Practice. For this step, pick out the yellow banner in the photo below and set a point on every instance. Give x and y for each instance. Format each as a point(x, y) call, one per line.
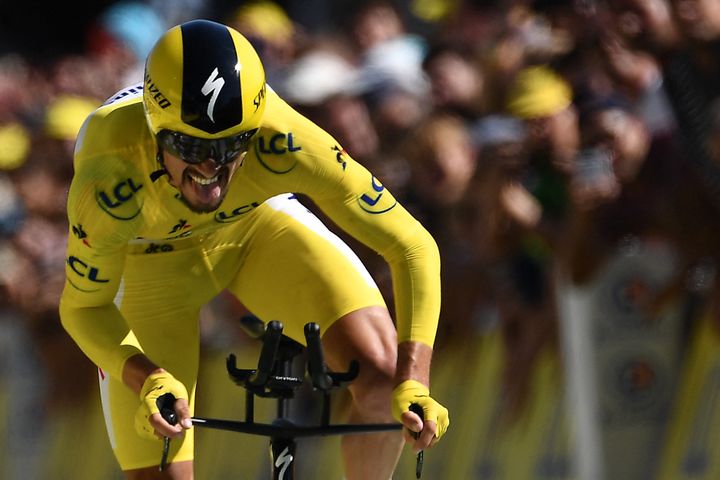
point(691, 449)
point(481, 444)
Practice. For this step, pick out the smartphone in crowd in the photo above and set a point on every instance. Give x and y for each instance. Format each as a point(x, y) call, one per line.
point(593, 166)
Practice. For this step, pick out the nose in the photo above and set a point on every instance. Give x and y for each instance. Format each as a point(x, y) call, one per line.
point(209, 166)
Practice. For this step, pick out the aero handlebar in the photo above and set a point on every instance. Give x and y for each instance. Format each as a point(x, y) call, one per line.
point(273, 378)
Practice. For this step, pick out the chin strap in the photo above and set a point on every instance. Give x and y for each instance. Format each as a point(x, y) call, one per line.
point(158, 173)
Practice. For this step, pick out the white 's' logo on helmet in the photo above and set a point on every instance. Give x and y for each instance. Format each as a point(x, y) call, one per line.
point(213, 85)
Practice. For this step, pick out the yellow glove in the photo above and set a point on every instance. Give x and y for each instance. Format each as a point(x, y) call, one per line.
point(412, 392)
point(156, 385)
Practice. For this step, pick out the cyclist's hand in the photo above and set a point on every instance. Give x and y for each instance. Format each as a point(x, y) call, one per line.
point(435, 419)
point(148, 421)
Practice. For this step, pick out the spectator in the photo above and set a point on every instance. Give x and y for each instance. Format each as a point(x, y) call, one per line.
point(327, 87)
point(390, 63)
point(121, 39)
point(41, 184)
point(458, 82)
point(22, 374)
point(659, 197)
point(442, 160)
point(638, 76)
point(482, 226)
point(698, 20)
point(543, 100)
point(15, 141)
point(685, 49)
point(273, 34)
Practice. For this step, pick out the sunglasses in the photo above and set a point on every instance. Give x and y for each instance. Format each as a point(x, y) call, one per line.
point(196, 150)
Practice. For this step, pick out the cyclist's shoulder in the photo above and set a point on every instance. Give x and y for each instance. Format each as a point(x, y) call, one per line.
point(281, 117)
point(286, 135)
point(115, 137)
point(118, 124)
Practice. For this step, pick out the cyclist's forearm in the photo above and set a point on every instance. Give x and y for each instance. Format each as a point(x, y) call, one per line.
point(414, 362)
point(415, 266)
point(136, 370)
point(102, 334)
point(407, 247)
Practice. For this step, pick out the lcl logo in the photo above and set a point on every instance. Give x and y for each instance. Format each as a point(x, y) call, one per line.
point(224, 217)
point(378, 201)
point(84, 270)
point(275, 144)
point(121, 193)
point(119, 196)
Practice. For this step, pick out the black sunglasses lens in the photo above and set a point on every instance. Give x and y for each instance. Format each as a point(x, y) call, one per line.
point(196, 150)
point(182, 146)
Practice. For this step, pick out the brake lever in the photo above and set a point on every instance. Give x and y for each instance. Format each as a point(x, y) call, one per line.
point(166, 405)
point(417, 409)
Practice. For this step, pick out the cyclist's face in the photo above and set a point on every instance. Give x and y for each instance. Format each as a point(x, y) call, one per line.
point(203, 186)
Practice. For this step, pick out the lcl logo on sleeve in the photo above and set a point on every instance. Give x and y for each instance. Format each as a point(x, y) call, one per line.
point(113, 201)
point(271, 152)
point(84, 270)
point(377, 201)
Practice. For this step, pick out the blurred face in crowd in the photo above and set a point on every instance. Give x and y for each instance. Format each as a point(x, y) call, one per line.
point(14, 77)
point(398, 112)
point(558, 134)
point(454, 81)
point(442, 160)
point(698, 19)
point(375, 24)
point(644, 23)
point(624, 135)
point(635, 69)
point(347, 118)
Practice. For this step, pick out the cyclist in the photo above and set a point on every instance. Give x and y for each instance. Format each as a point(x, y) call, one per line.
point(182, 189)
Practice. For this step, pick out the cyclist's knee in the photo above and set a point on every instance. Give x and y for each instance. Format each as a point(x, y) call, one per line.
point(368, 336)
point(372, 388)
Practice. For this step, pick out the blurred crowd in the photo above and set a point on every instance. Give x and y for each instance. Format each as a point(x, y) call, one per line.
point(533, 138)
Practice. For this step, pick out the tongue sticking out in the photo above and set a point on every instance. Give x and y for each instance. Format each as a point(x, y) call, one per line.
point(206, 190)
point(207, 193)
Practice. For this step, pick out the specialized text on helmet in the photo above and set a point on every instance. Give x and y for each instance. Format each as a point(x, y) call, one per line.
point(157, 95)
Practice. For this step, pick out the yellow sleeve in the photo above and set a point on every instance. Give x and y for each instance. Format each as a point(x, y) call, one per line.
point(87, 310)
point(364, 208)
point(104, 208)
point(306, 159)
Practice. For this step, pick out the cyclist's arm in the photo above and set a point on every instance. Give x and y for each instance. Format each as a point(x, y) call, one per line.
point(101, 333)
point(366, 210)
point(94, 267)
point(358, 203)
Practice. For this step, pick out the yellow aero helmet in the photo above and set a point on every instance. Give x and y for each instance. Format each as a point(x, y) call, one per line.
point(205, 80)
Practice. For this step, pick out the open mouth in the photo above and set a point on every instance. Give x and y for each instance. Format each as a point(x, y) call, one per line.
point(203, 191)
point(202, 180)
